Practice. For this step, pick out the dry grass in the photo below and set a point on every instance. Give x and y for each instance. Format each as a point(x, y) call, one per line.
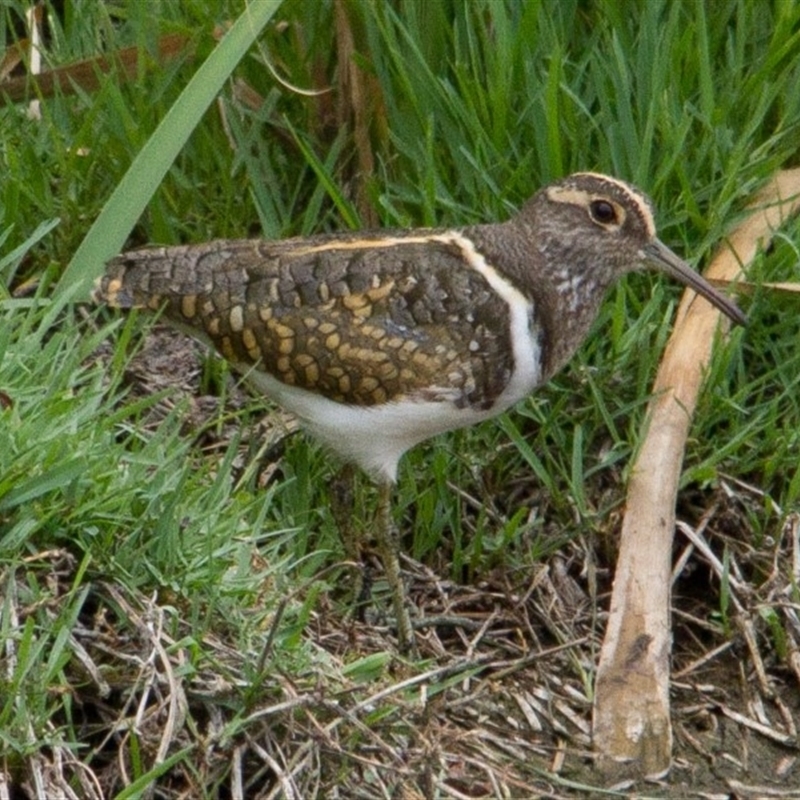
point(499, 707)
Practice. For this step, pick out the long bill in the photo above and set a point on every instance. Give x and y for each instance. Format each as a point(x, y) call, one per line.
point(665, 260)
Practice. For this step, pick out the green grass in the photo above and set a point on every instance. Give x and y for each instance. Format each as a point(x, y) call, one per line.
point(484, 102)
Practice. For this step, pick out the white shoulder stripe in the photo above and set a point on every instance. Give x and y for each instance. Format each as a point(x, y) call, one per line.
point(527, 371)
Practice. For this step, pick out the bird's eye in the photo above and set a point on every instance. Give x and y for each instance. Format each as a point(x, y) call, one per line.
point(603, 212)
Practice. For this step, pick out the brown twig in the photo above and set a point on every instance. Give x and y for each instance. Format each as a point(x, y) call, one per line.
point(631, 726)
point(85, 74)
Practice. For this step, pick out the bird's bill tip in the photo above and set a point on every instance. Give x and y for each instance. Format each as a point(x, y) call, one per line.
point(661, 257)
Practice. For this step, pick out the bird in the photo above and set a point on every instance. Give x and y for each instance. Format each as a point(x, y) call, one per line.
point(379, 340)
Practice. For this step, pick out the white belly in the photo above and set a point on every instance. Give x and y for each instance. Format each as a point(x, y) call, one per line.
point(375, 437)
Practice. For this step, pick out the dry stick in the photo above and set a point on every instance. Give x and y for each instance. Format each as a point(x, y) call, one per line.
point(85, 74)
point(631, 720)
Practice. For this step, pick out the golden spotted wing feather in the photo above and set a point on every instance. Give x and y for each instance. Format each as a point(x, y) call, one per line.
point(358, 320)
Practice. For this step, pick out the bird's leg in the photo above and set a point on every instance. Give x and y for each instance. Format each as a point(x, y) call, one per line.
point(387, 543)
point(342, 501)
point(342, 491)
point(342, 507)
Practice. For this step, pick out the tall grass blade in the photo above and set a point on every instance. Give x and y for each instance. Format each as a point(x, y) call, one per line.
point(109, 231)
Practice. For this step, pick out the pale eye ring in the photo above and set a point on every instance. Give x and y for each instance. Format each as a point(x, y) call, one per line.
point(603, 211)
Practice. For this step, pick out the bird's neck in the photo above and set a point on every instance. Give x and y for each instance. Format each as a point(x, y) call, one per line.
point(566, 288)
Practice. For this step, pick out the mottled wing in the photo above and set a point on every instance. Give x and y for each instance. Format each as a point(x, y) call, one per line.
point(358, 320)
